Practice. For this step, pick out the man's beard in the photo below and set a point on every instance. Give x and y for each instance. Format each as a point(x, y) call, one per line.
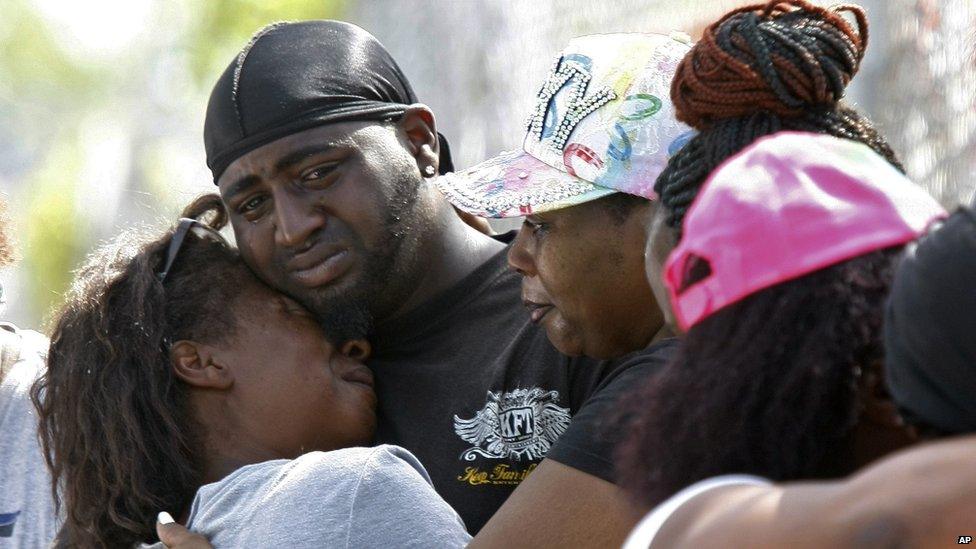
point(390, 272)
point(348, 315)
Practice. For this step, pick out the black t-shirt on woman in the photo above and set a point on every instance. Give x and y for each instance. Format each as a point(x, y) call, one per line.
point(480, 396)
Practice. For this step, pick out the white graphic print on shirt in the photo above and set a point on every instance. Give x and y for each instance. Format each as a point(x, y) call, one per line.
point(522, 424)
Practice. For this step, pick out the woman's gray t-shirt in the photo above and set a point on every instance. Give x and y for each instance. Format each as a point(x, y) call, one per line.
point(355, 497)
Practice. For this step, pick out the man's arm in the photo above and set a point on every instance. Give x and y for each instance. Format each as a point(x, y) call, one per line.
point(558, 506)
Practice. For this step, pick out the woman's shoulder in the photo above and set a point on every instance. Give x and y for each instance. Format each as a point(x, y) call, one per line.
point(335, 471)
point(365, 462)
point(355, 456)
point(361, 471)
point(309, 498)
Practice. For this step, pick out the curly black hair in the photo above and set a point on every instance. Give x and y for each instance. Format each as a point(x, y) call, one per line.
point(768, 385)
point(114, 422)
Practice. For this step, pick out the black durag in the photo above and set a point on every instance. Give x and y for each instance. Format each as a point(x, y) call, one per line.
point(930, 328)
point(295, 76)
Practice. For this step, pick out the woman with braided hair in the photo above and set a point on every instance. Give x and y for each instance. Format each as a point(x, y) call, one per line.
point(770, 380)
point(779, 283)
point(760, 69)
point(920, 497)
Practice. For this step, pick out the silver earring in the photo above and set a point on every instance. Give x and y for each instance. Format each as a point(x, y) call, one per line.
point(429, 171)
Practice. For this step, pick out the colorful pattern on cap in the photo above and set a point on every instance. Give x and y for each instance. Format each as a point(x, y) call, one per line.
point(513, 184)
point(603, 122)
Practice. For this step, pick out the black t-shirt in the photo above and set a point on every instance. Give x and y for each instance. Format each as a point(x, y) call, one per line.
point(480, 396)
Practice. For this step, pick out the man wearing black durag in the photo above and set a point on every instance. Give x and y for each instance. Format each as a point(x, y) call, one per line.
point(324, 158)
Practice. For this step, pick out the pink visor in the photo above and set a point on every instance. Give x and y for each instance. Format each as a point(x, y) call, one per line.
point(788, 205)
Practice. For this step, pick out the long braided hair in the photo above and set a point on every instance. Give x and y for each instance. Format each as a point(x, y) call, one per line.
point(770, 385)
point(783, 65)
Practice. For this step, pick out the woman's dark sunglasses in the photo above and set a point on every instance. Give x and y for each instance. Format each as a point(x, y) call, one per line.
point(186, 224)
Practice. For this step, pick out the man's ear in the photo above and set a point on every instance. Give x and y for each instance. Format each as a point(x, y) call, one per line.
point(417, 124)
point(196, 364)
point(358, 349)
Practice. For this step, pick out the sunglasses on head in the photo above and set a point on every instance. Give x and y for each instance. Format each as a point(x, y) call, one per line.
point(176, 242)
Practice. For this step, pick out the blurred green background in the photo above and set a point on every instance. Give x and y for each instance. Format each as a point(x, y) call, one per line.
point(102, 101)
point(101, 114)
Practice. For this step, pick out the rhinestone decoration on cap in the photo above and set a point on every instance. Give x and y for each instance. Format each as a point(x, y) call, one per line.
point(465, 197)
point(579, 105)
point(601, 123)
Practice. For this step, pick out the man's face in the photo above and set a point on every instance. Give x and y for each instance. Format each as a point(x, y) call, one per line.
point(583, 279)
point(330, 216)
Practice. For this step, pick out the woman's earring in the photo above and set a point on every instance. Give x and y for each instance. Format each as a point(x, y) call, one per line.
point(429, 171)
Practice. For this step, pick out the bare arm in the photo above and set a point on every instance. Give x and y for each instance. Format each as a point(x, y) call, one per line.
point(924, 497)
point(558, 506)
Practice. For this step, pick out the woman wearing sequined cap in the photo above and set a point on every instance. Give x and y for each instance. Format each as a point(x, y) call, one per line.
point(601, 131)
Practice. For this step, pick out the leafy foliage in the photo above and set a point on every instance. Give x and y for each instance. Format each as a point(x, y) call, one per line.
point(94, 140)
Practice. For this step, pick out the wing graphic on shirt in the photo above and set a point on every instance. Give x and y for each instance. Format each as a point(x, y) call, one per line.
point(520, 424)
point(553, 422)
point(481, 429)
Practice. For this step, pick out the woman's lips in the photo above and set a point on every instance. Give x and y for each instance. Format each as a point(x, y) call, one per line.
point(360, 375)
point(537, 310)
point(325, 271)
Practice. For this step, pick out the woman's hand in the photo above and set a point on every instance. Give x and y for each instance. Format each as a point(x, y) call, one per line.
point(175, 536)
point(479, 224)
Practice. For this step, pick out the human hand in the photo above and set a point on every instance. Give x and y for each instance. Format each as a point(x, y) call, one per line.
point(479, 224)
point(175, 536)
